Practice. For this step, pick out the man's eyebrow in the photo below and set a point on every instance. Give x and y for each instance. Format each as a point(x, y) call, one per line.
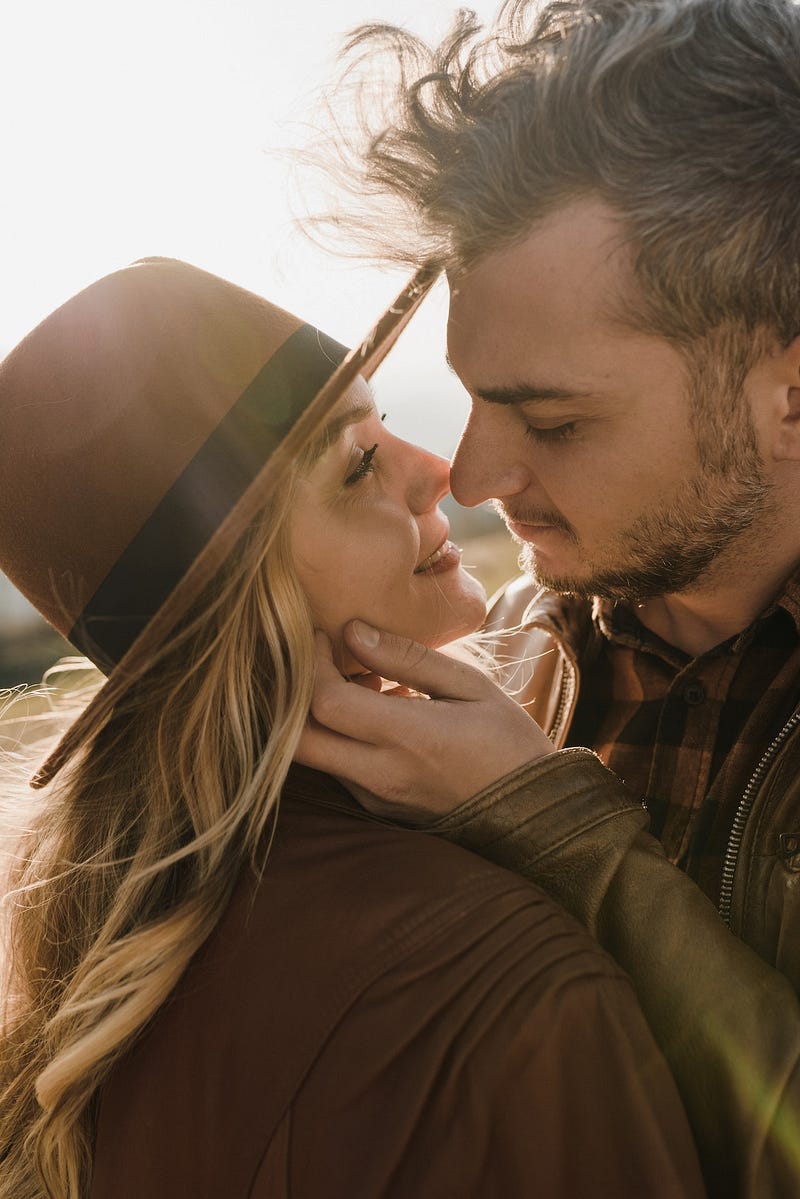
point(523, 393)
point(529, 393)
point(330, 433)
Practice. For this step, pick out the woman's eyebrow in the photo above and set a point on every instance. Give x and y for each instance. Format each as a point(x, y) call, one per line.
point(332, 431)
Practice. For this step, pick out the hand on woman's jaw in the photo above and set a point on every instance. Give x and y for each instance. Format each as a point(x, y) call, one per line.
point(411, 760)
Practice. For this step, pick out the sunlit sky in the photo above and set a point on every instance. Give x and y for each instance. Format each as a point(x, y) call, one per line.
point(152, 128)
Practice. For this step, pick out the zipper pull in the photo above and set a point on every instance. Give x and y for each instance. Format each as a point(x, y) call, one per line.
point(790, 850)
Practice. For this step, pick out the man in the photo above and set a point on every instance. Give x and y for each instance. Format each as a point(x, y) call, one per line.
point(612, 187)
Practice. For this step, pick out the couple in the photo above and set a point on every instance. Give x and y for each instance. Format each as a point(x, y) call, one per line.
point(230, 979)
point(232, 975)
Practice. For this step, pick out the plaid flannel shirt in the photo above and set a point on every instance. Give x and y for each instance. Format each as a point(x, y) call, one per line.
point(687, 733)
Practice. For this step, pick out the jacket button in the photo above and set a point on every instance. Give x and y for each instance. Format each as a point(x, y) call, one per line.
point(694, 694)
point(790, 849)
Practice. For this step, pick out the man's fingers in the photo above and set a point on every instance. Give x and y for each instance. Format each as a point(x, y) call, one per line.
point(424, 758)
point(356, 713)
point(412, 664)
point(321, 749)
point(371, 682)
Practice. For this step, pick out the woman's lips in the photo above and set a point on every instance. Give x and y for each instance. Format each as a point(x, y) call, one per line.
point(445, 557)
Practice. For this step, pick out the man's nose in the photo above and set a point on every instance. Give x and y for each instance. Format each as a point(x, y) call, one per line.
point(487, 463)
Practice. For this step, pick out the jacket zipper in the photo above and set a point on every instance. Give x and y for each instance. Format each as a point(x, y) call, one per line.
point(564, 701)
point(742, 814)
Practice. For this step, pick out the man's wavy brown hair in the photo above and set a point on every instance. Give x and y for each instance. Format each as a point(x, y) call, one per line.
point(682, 115)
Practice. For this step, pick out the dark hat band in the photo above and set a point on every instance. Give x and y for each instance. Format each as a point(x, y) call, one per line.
point(203, 495)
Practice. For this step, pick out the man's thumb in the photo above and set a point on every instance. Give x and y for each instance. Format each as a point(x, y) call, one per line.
point(414, 665)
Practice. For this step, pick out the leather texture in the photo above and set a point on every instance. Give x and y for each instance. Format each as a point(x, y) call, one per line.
point(386, 1016)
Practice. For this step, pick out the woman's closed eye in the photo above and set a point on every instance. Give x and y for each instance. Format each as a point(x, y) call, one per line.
point(363, 468)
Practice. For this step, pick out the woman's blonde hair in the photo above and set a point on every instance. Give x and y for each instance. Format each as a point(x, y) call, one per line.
point(131, 853)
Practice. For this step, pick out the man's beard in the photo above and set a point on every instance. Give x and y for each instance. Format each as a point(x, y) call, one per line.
point(669, 549)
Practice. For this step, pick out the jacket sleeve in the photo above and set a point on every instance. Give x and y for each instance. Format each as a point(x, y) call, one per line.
point(728, 1024)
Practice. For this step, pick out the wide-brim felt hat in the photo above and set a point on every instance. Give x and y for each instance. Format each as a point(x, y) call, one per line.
point(146, 422)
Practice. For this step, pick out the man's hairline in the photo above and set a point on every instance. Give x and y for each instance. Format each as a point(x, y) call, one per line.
point(630, 313)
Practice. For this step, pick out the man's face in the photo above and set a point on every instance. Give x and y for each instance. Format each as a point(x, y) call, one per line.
point(615, 471)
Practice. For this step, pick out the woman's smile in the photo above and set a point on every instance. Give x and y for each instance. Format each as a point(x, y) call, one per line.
point(444, 558)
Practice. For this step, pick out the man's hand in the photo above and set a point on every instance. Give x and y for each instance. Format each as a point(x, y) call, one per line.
point(419, 752)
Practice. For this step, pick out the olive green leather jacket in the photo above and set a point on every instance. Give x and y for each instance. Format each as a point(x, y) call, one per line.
point(719, 987)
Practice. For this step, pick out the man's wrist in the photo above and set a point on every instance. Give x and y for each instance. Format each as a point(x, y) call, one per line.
point(555, 799)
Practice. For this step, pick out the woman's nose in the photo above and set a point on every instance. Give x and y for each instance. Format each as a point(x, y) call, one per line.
point(428, 480)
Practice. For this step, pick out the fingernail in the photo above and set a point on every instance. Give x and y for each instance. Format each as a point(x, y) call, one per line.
point(366, 634)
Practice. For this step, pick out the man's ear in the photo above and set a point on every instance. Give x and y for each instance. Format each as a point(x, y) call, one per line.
point(787, 434)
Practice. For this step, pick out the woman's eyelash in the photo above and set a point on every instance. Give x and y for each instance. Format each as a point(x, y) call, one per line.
point(364, 467)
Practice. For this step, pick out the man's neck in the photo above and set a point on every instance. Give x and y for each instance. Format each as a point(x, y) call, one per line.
point(741, 583)
point(697, 620)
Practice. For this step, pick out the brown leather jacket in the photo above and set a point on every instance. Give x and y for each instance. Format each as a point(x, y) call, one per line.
point(719, 988)
point(385, 1014)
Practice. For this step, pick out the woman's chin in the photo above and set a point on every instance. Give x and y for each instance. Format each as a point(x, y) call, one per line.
point(457, 622)
point(453, 613)
point(460, 617)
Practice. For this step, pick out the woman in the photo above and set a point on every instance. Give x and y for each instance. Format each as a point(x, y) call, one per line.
point(224, 977)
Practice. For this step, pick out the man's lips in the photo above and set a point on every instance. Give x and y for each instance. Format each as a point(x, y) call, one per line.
point(524, 528)
point(528, 531)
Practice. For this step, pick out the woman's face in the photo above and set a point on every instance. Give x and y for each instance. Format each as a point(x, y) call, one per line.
point(368, 539)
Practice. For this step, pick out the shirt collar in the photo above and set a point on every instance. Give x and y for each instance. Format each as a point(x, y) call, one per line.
point(620, 624)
